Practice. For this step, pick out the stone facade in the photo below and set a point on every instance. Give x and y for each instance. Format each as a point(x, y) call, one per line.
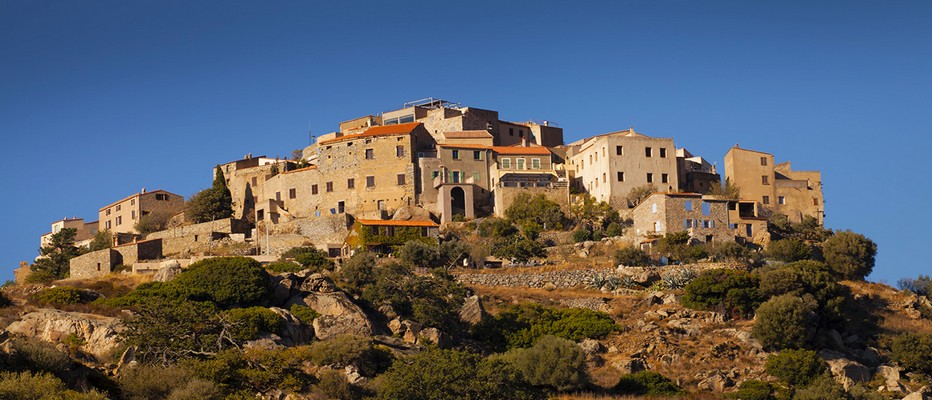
point(131, 253)
point(94, 264)
point(608, 166)
point(705, 218)
point(84, 231)
point(122, 216)
point(246, 180)
point(775, 187)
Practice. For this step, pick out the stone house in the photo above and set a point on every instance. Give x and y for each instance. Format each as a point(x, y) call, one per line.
point(246, 180)
point(382, 235)
point(143, 250)
point(122, 216)
point(608, 166)
point(84, 231)
point(696, 174)
point(705, 218)
point(775, 187)
point(291, 195)
point(94, 264)
point(531, 169)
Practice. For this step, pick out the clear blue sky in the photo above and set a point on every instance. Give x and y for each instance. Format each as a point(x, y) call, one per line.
point(101, 98)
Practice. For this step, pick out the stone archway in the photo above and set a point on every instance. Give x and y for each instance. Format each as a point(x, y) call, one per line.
point(457, 201)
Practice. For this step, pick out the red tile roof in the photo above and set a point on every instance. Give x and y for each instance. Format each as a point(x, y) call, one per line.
point(389, 222)
point(309, 167)
point(468, 134)
point(387, 130)
point(519, 150)
point(464, 145)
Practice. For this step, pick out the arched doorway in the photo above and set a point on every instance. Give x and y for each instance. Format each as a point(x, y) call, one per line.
point(457, 201)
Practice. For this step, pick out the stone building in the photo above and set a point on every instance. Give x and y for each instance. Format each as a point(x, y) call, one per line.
point(775, 187)
point(705, 218)
point(246, 180)
point(122, 216)
point(291, 195)
point(382, 235)
point(531, 169)
point(84, 231)
point(94, 264)
point(608, 166)
point(696, 174)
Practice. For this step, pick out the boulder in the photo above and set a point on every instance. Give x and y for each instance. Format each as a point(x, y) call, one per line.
point(921, 394)
point(99, 333)
point(846, 372)
point(591, 347)
point(411, 331)
point(168, 270)
point(318, 283)
point(283, 287)
point(891, 378)
point(396, 327)
point(640, 275)
point(472, 311)
point(432, 336)
point(716, 382)
point(630, 365)
point(338, 315)
point(294, 332)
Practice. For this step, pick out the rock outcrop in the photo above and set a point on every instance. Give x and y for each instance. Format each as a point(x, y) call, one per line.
point(98, 333)
point(338, 315)
point(168, 270)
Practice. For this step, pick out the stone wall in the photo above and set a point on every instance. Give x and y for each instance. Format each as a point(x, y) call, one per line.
point(565, 279)
point(228, 225)
point(144, 250)
point(504, 196)
point(95, 263)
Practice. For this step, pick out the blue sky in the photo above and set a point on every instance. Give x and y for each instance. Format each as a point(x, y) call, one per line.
point(101, 98)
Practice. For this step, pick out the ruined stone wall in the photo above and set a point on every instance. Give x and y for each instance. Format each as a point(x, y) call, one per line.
point(95, 263)
point(504, 196)
point(144, 250)
point(565, 279)
point(227, 225)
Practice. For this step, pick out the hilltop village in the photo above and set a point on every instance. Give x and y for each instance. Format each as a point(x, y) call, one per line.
point(433, 162)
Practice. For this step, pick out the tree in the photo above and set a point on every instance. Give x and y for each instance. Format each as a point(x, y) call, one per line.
point(731, 291)
point(727, 191)
point(912, 350)
point(552, 362)
point(631, 256)
point(309, 257)
point(795, 367)
point(102, 240)
point(153, 222)
point(850, 255)
point(227, 281)
point(54, 261)
point(449, 374)
point(788, 250)
point(647, 383)
point(211, 204)
point(785, 322)
point(638, 194)
point(539, 209)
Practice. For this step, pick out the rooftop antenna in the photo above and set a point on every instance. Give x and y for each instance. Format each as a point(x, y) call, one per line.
point(310, 137)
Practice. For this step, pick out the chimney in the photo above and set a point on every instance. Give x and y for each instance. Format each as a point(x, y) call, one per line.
point(143, 191)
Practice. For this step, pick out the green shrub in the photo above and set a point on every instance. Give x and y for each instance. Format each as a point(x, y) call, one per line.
point(632, 257)
point(345, 350)
point(552, 362)
point(582, 235)
point(419, 254)
point(212, 203)
point(450, 374)
point(647, 383)
point(676, 247)
point(785, 322)
point(521, 325)
point(248, 323)
point(850, 255)
point(754, 390)
point(538, 209)
point(912, 350)
point(333, 385)
point(614, 229)
point(227, 281)
point(496, 228)
point(280, 267)
point(725, 290)
point(822, 387)
point(40, 386)
point(788, 250)
point(33, 355)
point(729, 251)
point(304, 313)
point(518, 248)
point(357, 271)
point(195, 389)
point(59, 295)
point(309, 257)
point(796, 368)
point(808, 278)
point(243, 373)
point(151, 382)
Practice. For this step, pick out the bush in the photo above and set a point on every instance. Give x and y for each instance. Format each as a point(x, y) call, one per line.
point(638, 194)
point(248, 323)
point(195, 389)
point(676, 247)
point(582, 235)
point(152, 222)
point(227, 281)
point(538, 209)
point(822, 387)
point(304, 313)
point(647, 383)
point(496, 228)
point(788, 250)
point(554, 363)
point(333, 385)
point(912, 350)
point(33, 355)
point(922, 285)
point(349, 350)
point(518, 249)
point(807, 278)
point(729, 251)
point(211, 204)
point(309, 257)
point(357, 271)
point(40, 386)
point(754, 390)
point(796, 368)
point(451, 374)
point(784, 322)
point(632, 257)
point(280, 267)
point(151, 382)
point(419, 254)
point(59, 295)
point(729, 291)
point(522, 325)
point(850, 255)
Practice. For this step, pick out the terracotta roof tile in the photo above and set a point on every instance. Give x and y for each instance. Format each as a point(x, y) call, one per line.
point(468, 134)
point(518, 150)
point(386, 130)
point(389, 222)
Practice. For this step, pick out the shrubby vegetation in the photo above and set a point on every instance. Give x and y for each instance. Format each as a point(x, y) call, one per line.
point(248, 323)
point(638, 194)
point(788, 250)
point(59, 295)
point(553, 363)
point(921, 285)
point(308, 257)
point(728, 291)
point(521, 325)
point(537, 209)
point(303, 313)
point(796, 368)
point(785, 322)
point(822, 387)
point(850, 255)
point(912, 352)
point(102, 240)
point(632, 257)
point(153, 222)
point(212, 203)
point(676, 247)
point(54, 259)
point(647, 383)
point(226, 281)
point(40, 386)
point(753, 389)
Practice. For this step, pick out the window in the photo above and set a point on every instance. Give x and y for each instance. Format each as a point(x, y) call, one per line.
point(520, 163)
point(434, 174)
point(621, 176)
point(781, 199)
point(401, 179)
point(161, 196)
point(370, 154)
point(647, 151)
point(663, 152)
point(650, 177)
point(292, 193)
point(455, 176)
point(107, 224)
point(456, 154)
point(477, 155)
point(475, 177)
point(119, 220)
point(706, 209)
point(278, 196)
point(706, 223)
point(399, 151)
point(351, 183)
point(815, 201)
point(511, 131)
point(506, 163)
point(254, 181)
point(535, 163)
point(370, 181)
point(766, 200)
point(118, 207)
point(603, 177)
point(688, 205)
point(590, 159)
point(597, 156)
point(329, 187)
point(260, 215)
point(657, 226)
point(132, 202)
point(764, 180)
point(313, 189)
point(763, 161)
point(687, 223)
point(653, 208)
point(108, 211)
point(619, 151)
point(663, 178)
point(132, 214)
point(341, 207)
